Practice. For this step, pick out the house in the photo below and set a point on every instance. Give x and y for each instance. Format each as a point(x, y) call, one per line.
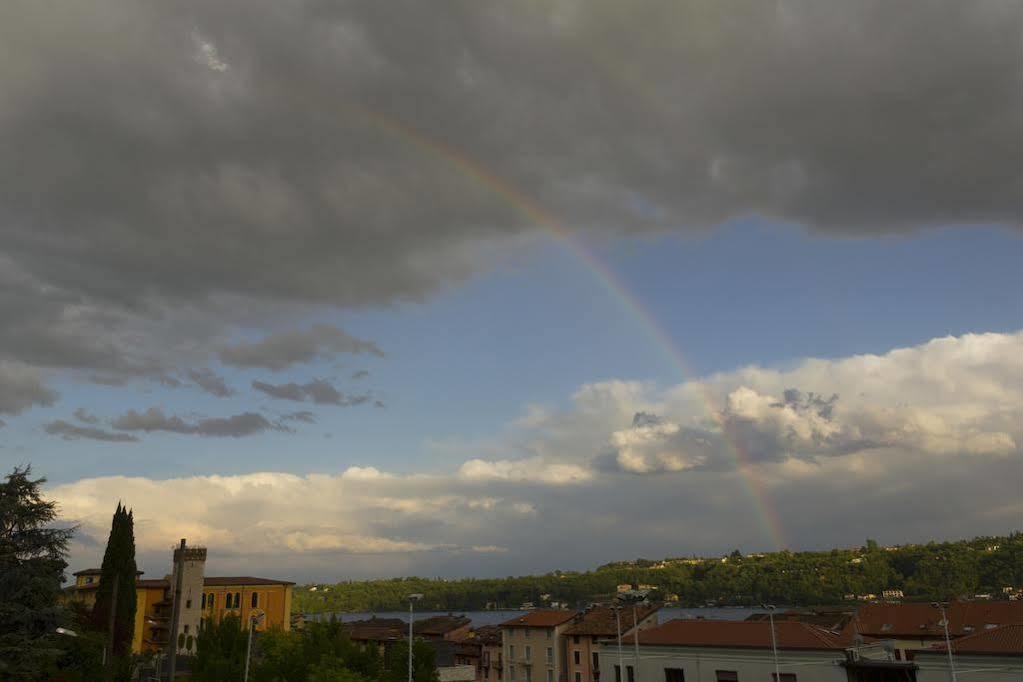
point(596, 624)
point(449, 627)
point(381, 633)
point(533, 645)
point(203, 598)
point(490, 641)
point(892, 595)
point(737, 651)
point(918, 626)
point(994, 655)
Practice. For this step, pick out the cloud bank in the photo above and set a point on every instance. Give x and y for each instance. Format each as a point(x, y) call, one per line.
point(889, 446)
point(179, 181)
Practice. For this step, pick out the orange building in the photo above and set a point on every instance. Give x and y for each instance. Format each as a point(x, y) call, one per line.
point(242, 596)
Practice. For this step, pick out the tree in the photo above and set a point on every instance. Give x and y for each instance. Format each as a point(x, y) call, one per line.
point(424, 663)
point(32, 563)
point(118, 568)
point(220, 651)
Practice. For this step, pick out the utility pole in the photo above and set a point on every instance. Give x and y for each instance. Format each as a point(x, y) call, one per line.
point(108, 650)
point(172, 654)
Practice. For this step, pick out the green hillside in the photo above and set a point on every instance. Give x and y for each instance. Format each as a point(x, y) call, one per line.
point(923, 572)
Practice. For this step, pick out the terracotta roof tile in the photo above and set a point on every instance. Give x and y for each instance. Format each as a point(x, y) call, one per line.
point(739, 635)
point(1006, 640)
point(241, 580)
point(924, 620)
point(540, 618)
point(600, 621)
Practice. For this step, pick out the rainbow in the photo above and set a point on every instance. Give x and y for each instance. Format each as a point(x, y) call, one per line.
point(619, 291)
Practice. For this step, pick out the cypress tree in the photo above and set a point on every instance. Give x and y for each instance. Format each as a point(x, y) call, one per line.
point(118, 567)
point(32, 567)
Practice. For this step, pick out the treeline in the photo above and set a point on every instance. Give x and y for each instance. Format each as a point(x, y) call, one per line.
point(923, 572)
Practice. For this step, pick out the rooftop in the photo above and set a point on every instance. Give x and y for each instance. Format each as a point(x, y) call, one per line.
point(924, 620)
point(440, 625)
point(541, 618)
point(1006, 640)
point(600, 621)
point(739, 635)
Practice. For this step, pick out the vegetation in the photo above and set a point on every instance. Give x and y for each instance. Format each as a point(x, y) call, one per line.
point(319, 653)
point(119, 569)
point(922, 572)
point(32, 563)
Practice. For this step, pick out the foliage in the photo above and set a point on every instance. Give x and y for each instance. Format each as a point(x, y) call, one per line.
point(118, 568)
point(220, 651)
point(32, 563)
point(424, 663)
point(922, 572)
point(319, 649)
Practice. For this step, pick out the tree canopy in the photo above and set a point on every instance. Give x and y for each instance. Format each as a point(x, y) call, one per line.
point(118, 569)
point(32, 563)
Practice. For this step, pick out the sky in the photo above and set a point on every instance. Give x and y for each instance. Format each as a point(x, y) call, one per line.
point(346, 290)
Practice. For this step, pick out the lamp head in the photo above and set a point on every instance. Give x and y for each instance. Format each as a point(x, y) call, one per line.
point(415, 597)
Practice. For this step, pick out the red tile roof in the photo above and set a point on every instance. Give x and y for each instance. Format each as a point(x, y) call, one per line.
point(540, 618)
point(920, 620)
point(600, 621)
point(488, 635)
point(440, 625)
point(739, 635)
point(1006, 640)
point(242, 580)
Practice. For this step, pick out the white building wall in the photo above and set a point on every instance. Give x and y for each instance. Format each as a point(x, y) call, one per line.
point(702, 664)
point(934, 668)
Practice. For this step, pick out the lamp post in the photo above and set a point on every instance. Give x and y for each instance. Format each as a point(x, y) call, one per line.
point(774, 640)
point(253, 620)
point(948, 641)
point(412, 599)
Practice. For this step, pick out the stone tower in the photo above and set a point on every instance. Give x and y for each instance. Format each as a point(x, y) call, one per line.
point(191, 561)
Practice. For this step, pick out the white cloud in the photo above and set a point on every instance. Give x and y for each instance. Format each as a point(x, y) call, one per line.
point(901, 446)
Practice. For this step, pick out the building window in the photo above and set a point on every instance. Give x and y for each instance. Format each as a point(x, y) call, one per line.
point(88, 581)
point(550, 676)
point(727, 676)
point(511, 653)
point(550, 656)
point(674, 675)
point(576, 655)
point(511, 673)
point(188, 603)
point(209, 600)
point(575, 639)
point(630, 673)
point(618, 673)
point(550, 632)
point(486, 673)
point(578, 677)
point(525, 633)
point(596, 661)
point(237, 599)
point(203, 600)
point(529, 653)
point(783, 677)
point(529, 674)
point(186, 629)
point(255, 602)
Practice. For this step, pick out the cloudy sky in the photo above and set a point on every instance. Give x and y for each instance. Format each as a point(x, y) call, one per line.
point(347, 289)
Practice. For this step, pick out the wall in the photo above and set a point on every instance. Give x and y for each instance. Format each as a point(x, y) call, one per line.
point(273, 600)
point(702, 664)
point(538, 639)
point(934, 668)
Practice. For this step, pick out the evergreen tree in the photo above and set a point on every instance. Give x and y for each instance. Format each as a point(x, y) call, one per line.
point(31, 573)
point(118, 567)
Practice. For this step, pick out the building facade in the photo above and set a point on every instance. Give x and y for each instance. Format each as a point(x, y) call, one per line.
point(534, 647)
point(601, 623)
point(203, 598)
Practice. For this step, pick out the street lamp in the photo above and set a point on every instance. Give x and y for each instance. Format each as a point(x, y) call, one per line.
point(633, 597)
point(774, 640)
point(948, 642)
point(412, 599)
point(253, 620)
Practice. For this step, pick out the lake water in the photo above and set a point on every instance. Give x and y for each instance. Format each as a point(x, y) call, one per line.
point(480, 618)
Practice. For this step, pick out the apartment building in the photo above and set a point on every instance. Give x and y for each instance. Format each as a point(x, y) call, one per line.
point(534, 647)
point(601, 623)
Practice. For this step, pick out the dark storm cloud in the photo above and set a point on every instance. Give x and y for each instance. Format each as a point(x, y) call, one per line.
point(22, 387)
point(236, 426)
point(279, 351)
point(317, 391)
point(171, 173)
point(210, 382)
point(69, 431)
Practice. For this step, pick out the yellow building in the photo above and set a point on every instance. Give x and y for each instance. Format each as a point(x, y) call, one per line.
point(242, 596)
